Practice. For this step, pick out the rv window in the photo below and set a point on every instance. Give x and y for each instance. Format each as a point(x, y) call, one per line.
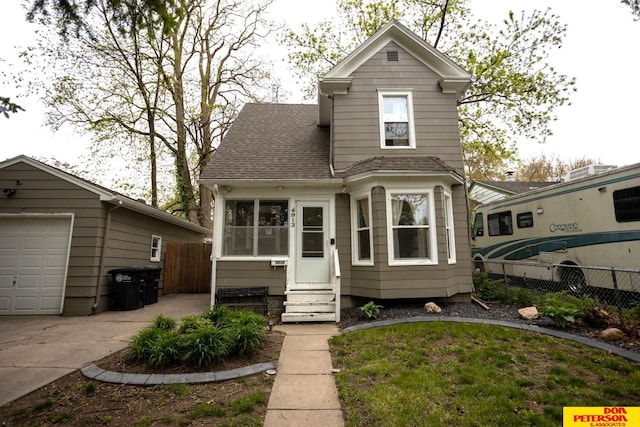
point(500, 224)
point(525, 220)
point(627, 204)
point(478, 225)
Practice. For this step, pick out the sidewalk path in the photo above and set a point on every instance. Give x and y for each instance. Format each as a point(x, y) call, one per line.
point(304, 392)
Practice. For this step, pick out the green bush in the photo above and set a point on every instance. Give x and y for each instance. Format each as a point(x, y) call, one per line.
point(141, 344)
point(206, 344)
point(489, 289)
point(199, 340)
point(562, 307)
point(218, 315)
point(165, 350)
point(370, 310)
point(189, 324)
point(164, 323)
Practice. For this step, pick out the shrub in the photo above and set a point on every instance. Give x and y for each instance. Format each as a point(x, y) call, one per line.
point(164, 323)
point(218, 315)
point(141, 344)
point(489, 289)
point(562, 307)
point(246, 338)
point(204, 345)
point(189, 324)
point(165, 350)
point(370, 310)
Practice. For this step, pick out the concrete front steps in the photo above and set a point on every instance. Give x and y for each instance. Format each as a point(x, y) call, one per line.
point(309, 303)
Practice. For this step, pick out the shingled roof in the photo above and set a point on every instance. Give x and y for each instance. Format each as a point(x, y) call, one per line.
point(425, 164)
point(273, 142)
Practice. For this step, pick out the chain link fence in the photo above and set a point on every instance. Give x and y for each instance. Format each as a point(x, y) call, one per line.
point(616, 287)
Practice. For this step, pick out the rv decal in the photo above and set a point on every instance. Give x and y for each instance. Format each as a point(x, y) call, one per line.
point(571, 227)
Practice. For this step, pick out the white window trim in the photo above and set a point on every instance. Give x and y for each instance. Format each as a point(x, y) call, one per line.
point(354, 229)
point(255, 226)
point(449, 227)
point(157, 247)
point(433, 242)
point(412, 133)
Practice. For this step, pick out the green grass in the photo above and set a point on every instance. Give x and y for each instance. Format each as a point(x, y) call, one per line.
point(444, 374)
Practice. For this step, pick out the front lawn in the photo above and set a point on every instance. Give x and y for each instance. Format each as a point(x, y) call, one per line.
point(456, 374)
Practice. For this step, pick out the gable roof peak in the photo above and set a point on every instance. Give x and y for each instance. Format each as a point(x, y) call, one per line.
point(453, 78)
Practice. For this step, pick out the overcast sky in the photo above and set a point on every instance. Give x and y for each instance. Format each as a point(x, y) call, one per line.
point(600, 50)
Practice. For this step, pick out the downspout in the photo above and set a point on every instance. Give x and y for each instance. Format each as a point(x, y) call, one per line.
point(105, 239)
point(331, 148)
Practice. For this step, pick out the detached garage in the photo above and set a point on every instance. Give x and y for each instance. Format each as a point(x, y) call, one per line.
point(60, 235)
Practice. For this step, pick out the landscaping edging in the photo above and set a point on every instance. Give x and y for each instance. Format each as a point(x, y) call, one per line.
point(630, 355)
point(96, 373)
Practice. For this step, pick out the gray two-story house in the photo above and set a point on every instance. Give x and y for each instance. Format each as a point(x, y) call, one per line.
point(360, 197)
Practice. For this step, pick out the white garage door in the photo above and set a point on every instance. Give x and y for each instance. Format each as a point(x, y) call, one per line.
point(33, 262)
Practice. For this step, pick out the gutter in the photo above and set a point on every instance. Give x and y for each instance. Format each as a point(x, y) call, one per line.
point(105, 239)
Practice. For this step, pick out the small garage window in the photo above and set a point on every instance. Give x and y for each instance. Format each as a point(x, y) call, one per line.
point(156, 248)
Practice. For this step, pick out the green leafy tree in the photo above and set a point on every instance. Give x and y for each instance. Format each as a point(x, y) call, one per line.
point(514, 91)
point(158, 95)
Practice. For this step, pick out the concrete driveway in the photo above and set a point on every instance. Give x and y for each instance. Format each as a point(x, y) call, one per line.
point(35, 350)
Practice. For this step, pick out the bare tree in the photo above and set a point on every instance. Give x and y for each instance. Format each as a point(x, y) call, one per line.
point(550, 168)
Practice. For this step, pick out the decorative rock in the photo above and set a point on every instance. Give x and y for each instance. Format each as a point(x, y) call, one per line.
point(432, 307)
point(528, 313)
point(612, 334)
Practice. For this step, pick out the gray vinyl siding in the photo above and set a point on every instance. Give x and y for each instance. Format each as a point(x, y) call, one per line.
point(343, 240)
point(129, 237)
point(428, 281)
point(355, 127)
point(241, 274)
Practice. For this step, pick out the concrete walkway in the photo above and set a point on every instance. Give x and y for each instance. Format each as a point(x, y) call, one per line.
point(304, 392)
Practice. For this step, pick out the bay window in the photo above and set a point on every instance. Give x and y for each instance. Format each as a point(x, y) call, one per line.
point(256, 228)
point(411, 235)
point(449, 231)
point(362, 231)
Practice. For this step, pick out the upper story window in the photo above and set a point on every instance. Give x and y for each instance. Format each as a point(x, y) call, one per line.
point(156, 248)
point(256, 228)
point(396, 119)
point(362, 230)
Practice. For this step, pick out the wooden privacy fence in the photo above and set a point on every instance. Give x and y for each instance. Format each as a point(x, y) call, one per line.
point(187, 268)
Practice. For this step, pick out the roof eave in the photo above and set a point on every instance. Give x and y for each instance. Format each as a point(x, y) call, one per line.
point(155, 213)
point(454, 177)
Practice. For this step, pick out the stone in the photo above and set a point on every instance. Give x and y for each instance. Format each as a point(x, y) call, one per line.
point(528, 313)
point(612, 334)
point(432, 307)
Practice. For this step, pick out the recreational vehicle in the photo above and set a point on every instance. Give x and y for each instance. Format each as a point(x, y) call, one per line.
point(590, 221)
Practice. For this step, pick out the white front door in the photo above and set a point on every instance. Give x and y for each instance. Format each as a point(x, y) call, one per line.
point(312, 243)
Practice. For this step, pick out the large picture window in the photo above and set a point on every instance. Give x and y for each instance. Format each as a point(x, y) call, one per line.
point(361, 215)
point(256, 228)
point(411, 234)
point(396, 119)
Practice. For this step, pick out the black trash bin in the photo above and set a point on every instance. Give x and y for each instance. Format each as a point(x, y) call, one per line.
point(152, 283)
point(128, 287)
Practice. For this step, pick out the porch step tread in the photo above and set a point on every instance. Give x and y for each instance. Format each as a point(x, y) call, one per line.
point(308, 292)
point(294, 303)
point(308, 317)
